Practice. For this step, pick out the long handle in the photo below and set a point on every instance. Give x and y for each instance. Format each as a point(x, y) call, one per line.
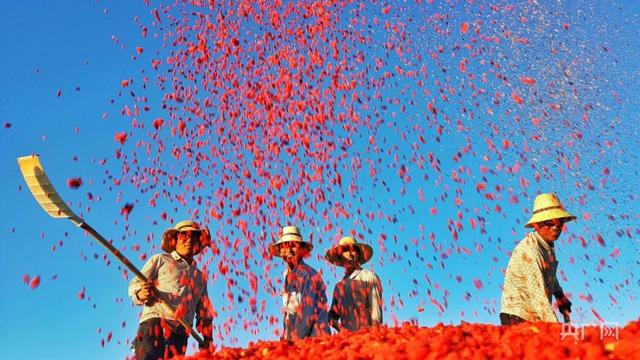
point(123, 259)
point(47, 196)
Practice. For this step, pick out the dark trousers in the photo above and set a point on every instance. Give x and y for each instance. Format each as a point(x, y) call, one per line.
point(508, 319)
point(158, 339)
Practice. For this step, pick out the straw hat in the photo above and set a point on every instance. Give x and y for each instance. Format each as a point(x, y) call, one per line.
point(334, 255)
point(288, 234)
point(169, 235)
point(548, 207)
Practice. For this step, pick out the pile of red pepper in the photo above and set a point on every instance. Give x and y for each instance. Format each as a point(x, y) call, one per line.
point(466, 341)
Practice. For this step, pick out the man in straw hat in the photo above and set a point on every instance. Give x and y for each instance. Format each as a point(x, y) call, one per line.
point(357, 298)
point(304, 299)
point(173, 273)
point(530, 279)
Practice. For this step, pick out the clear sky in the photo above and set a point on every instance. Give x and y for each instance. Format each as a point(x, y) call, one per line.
point(425, 128)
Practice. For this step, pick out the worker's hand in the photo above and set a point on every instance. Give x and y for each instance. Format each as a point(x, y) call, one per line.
point(564, 305)
point(207, 345)
point(148, 293)
point(334, 324)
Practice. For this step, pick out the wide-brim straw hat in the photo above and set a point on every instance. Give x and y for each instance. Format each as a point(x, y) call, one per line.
point(334, 254)
point(548, 207)
point(169, 237)
point(288, 234)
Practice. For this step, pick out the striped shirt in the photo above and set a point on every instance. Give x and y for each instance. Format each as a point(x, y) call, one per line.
point(304, 303)
point(530, 280)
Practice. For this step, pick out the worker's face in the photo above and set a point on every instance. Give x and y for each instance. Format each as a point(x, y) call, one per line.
point(291, 252)
point(187, 242)
point(549, 230)
point(350, 255)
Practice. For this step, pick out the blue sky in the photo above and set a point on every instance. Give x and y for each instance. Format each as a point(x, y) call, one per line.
point(587, 67)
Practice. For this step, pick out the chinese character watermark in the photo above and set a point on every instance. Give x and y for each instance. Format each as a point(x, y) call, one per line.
point(609, 330)
point(576, 331)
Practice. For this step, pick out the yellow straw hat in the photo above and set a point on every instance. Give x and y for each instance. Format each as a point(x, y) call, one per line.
point(288, 234)
point(169, 235)
point(548, 207)
point(334, 254)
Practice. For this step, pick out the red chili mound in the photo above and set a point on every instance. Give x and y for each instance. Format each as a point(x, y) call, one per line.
point(466, 341)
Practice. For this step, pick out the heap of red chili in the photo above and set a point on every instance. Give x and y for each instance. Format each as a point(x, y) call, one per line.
point(466, 341)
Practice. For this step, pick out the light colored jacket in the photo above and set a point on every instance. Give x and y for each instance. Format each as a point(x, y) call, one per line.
point(182, 283)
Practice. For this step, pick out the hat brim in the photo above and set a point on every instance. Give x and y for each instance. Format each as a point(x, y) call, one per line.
point(334, 255)
point(169, 246)
point(274, 249)
point(549, 215)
